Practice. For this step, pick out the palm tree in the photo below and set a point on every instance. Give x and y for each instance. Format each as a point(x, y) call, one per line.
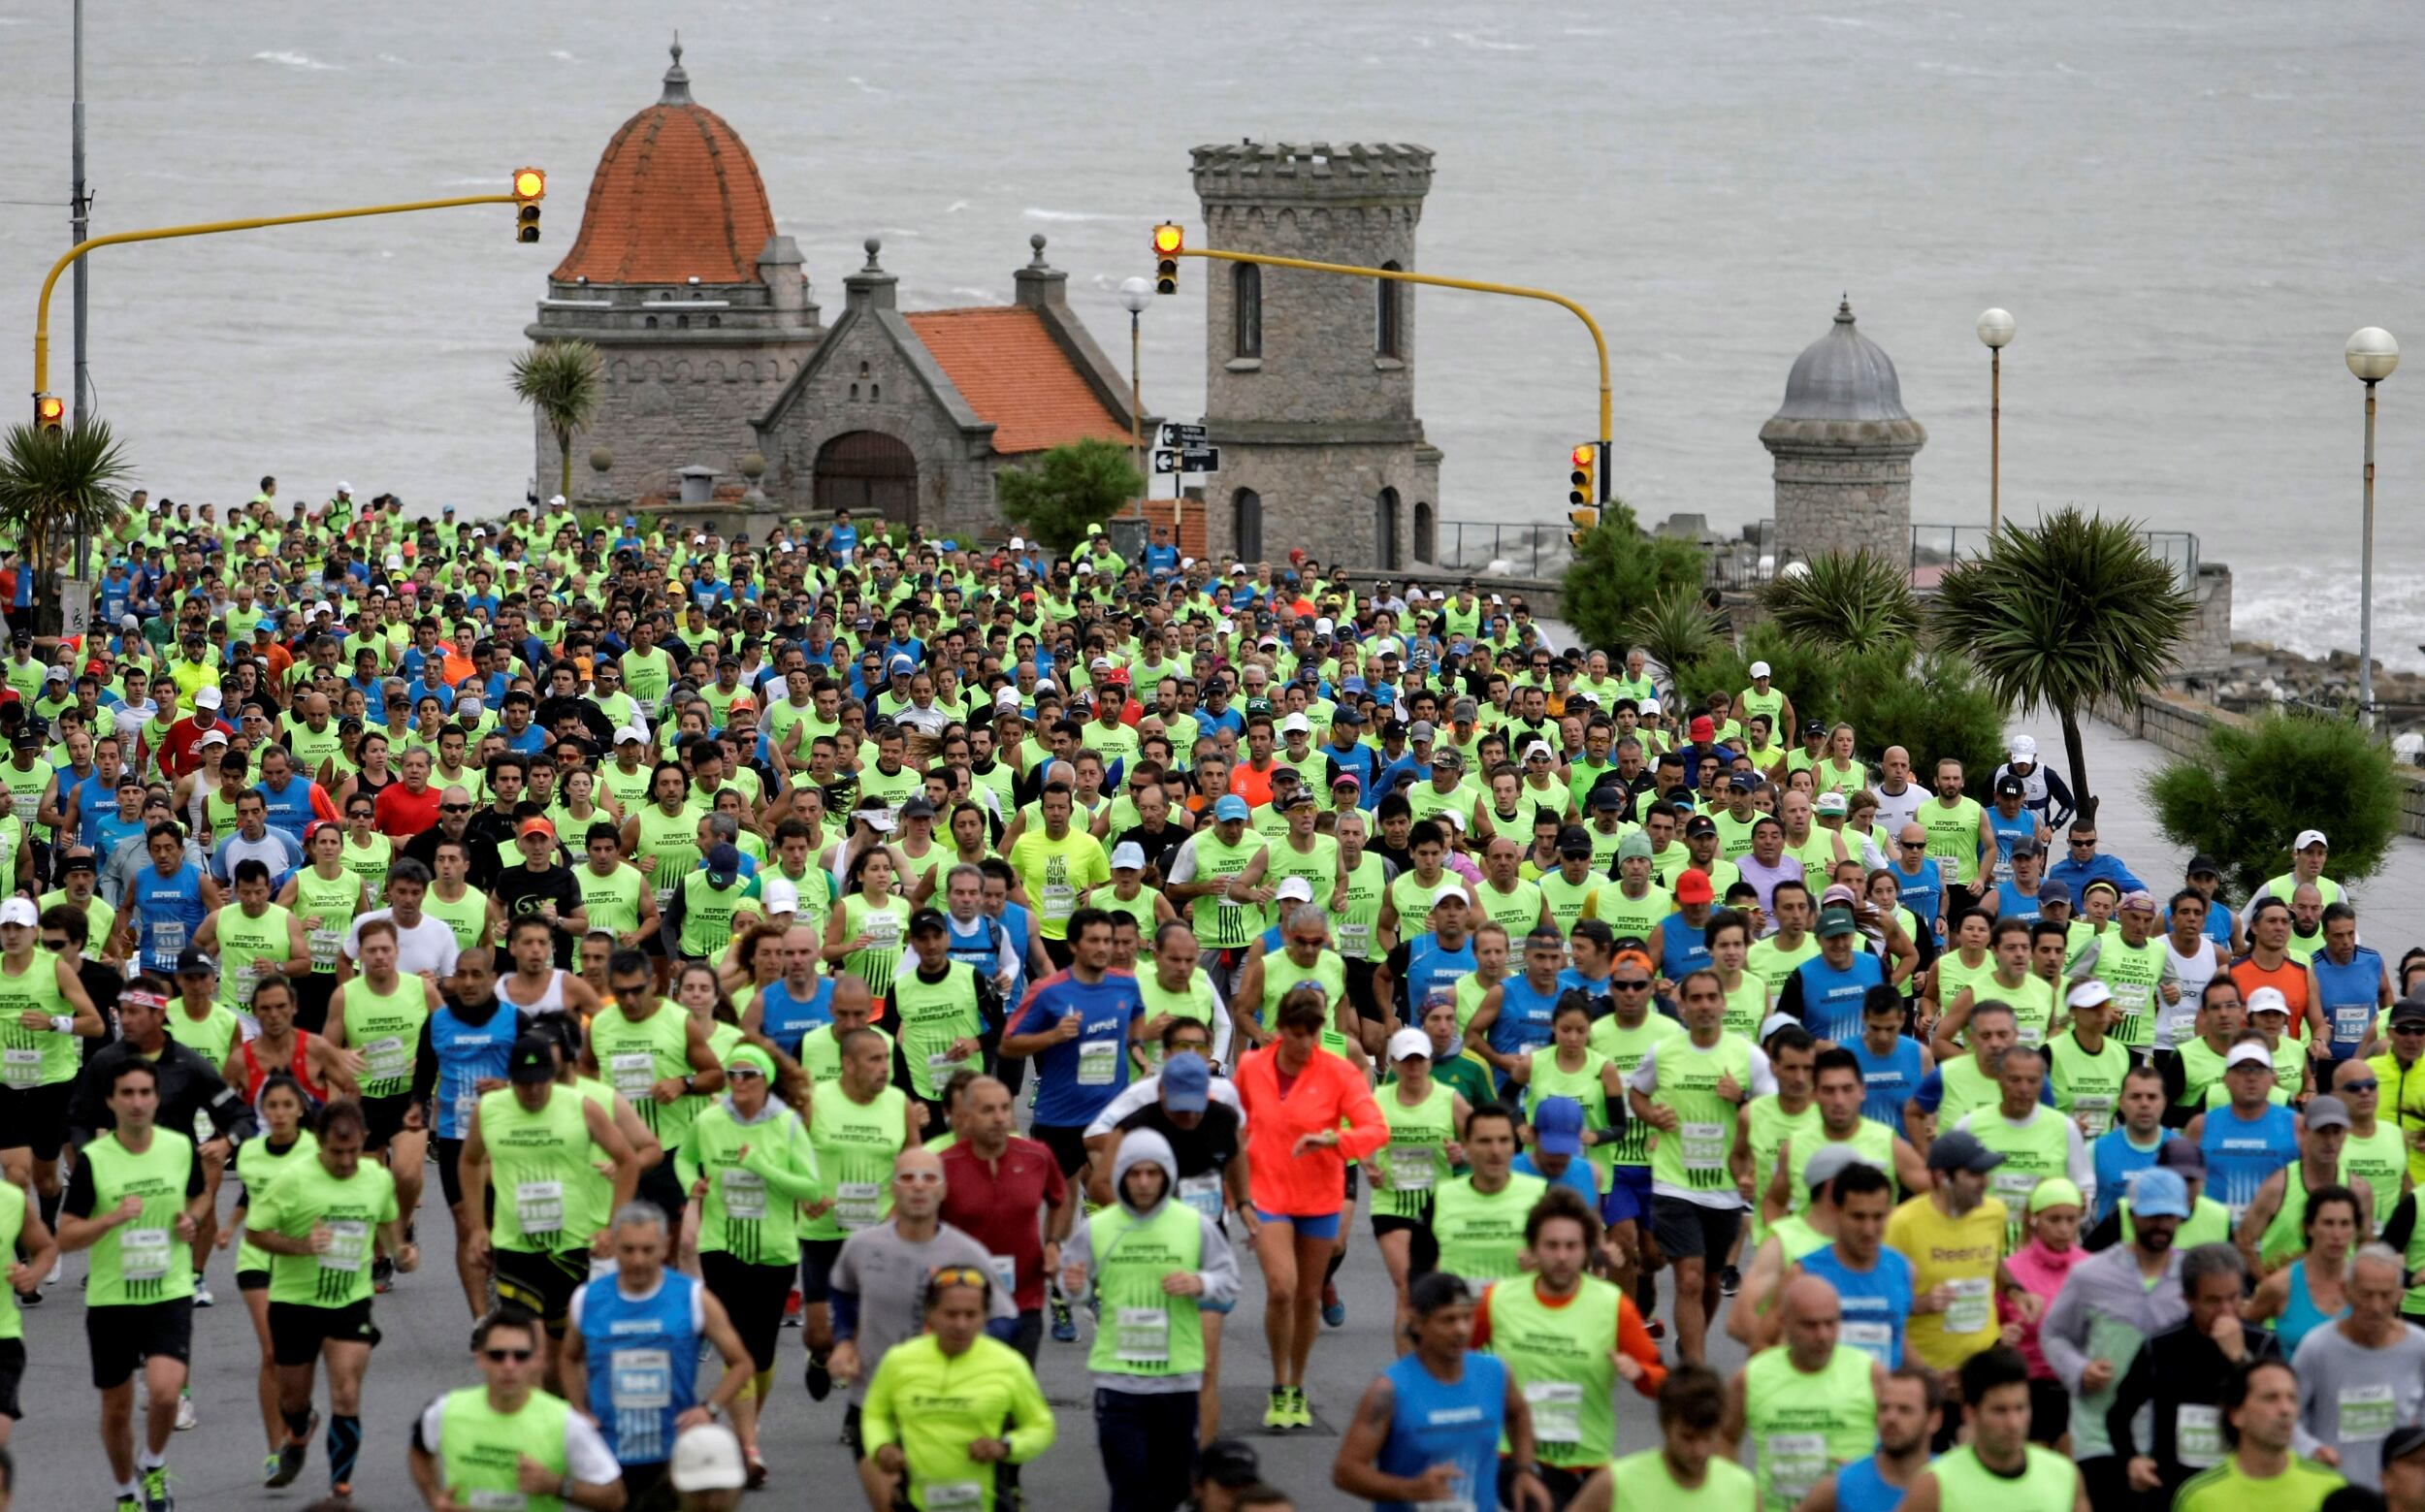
point(560, 379)
point(53, 482)
point(2062, 613)
point(1854, 601)
point(1676, 627)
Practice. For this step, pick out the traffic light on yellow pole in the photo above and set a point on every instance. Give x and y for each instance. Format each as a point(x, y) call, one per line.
point(50, 412)
point(1168, 242)
point(1582, 492)
point(529, 187)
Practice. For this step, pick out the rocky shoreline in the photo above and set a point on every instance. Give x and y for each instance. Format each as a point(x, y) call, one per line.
point(2262, 675)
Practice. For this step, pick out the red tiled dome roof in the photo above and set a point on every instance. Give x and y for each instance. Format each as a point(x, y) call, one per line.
point(676, 196)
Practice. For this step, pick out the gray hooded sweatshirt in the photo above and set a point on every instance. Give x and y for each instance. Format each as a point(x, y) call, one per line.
point(1219, 1273)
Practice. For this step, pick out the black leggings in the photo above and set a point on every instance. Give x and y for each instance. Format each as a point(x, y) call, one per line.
point(754, 1297)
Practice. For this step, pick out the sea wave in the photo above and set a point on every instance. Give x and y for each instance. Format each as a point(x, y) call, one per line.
point(302, 60)
point(1033, 213)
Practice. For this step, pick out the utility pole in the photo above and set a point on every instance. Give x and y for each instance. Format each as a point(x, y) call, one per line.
point(80, 207)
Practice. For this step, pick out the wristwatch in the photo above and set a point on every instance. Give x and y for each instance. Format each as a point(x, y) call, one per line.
point(689, 1081)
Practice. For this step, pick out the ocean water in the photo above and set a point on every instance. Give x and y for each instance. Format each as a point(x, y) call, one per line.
point(2187, 206)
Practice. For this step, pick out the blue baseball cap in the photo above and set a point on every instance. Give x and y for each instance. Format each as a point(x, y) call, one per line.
point(1557, 1126)
point(2159, 1193)
point(1230, 806)
point(1187, 1083)
point(2051, 889)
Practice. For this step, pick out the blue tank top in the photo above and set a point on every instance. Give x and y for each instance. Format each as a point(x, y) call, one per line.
point(979, 945)
point(2300, 1316)
point(2117, 1160)
point(1891, 1080)
point(643, 1363)
point(108, 832)
point(2011, 904)
point(1924, 894)
point(1859, 1488)
point(2240, 1153)
point(2352, 994)
point(467, 1054)
point(94, 802)
point(1446, 1423)
point(289, 811)
point(786, 1019)
point(1877, 1301)
point(172, 910)
point(1831, 999)
point(1431, 968)
point(1682, 948)
point(2009, 832)
point(1524, 1016)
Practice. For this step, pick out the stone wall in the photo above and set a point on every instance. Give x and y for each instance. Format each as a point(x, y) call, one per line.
point(1321, 496)
point(1830, 500)
point(2179, 724)
point(2208, 650)
point(664, 406)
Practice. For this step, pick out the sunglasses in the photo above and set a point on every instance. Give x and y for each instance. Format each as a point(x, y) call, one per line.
point(503, 1354)
point(2361, 1086)
point(1629, 986)
point(454, 808)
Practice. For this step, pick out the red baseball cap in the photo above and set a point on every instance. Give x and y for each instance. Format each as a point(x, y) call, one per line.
point(1694, 888)
point(1702, 730)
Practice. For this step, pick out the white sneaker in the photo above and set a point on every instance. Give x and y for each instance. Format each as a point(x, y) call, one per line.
point(59, 1269)
point(202, 1294)
point(185, 1418)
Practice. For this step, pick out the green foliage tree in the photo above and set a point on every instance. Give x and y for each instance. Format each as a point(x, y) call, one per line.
point(1855, 600)
point(560, 380)
point(1811, 675)
point(51, 483)
point(1933, 703)
point(2062, 613)
point(1617, 571)
point(1068, 489)
point(1676, 627)
point(2251, 789)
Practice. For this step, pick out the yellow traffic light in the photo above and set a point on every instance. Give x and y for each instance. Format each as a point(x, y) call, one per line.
point(1582, 487)
point(50, 412)
point(529, 187)
point(1582, 522)
point(1168, 242)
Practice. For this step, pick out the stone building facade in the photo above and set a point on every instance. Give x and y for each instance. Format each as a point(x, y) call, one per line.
point(1843, 446)
point(1310, 376)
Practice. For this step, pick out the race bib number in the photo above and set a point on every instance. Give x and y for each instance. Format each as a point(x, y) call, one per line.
point(744, 1194)
point(496, 1501)
point(1704, 1146)
point(168, 937)
point(664, 896)
point(1355, 940)
point(856, 1204)
point(349, 1245)
point(324, 946)
point(467, 1102)
point(21, 1069)
point(1203, 1193)
point(1142, 1336)
point(1874, 1339)
point(2198, 1437)
point(539, 1207)
point(1098, 1063)
point(2093, 1112)
point(1796, 1461)
point(1557, 1412)
point(634, 1073)
point(941, 1069)
point(952, 1495)
point(2349, 1023)
point(143, 1254)
point(1412, 1167)
point(643, 1381)
point(387, 1059)
point(2014, 1187)
point(1968, 1312)
point(1004, 1269)
point(2366, 1412)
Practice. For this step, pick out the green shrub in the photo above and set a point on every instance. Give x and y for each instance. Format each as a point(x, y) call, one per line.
point(1675, 628)
point(1810, 675)
point(1934, 705)
point(1068, 489)
point(2249, 791)
point(1617, 572)
point(1858, 600)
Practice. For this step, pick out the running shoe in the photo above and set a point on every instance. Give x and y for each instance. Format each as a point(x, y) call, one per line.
point(1279, 1415)
point(382, 1276)
point(1730, 1280)
point(1334, 1311)
point(202, 1294)
point(792, 1309)
point(292, 1454)
point(1064, 1327)
point(1299, 1414)
point(59, 1269)
point(340, 1491)
point(157, 1497)
point(757, 1474)
point(32, 1299)
point(268, 1470)
point(129, 1504)
point(820, 1380)
point(185, 1418)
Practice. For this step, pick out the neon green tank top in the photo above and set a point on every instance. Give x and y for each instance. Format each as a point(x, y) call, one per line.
point(386, 1028)
point(1804, 1427)
point(1694, 1157)
point(1414, 1162)
point(37, 1058)
point(1560, 1359)
point(327, 905)
point(856, 1144)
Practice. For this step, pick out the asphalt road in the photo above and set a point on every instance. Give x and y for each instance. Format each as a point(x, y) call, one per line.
point(426, 1350)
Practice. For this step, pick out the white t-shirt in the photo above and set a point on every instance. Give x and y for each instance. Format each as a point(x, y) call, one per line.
point(427, 946)
point(1645, 1080)
point(586, 1455)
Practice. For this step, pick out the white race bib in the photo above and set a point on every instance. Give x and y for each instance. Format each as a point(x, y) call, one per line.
point(1874, 1339)
point(1970, 1308)
point(1203, 1193)
point(1143, 1336)
point(856, 1204)
point(324, 946)
point(143, 1254)
point(1704, 1145)
point(1557, 1412)
point(21, 1069)
point(539, 1208)
point(1412, 1167)
point(496, 1501)
point(1004, 1269)
point(744, 1194)
point(634, 1073)
point(2366, 1412)
point(642, 1380)
point(349, 1245)
point(388, 1059)
point(952, 1495)
point(2350, 1022)
point(2198, 1437)
point(1796, 1461)
point(1098, 1063)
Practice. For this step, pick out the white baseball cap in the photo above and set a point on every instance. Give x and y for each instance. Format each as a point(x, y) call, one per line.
point(2091, 994)
point(2025, 748)
point(1449, 891)
point(1129, 855)
point(780, 896)
point(215, 736)
point(1295, 724)
point(344, 488)
point(632, 732)
point(207, 698)
point(708, 1458)
point(19, 911)
point(2309, 837)
point(2248, 1054)
point(555, 500)
point(1016, 544)
point(1759, 669)
point(1409, 1044)
point(2267, 1000)
point(1295, 890)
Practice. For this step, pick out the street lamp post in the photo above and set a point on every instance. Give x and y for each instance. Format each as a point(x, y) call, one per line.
point(2372, 355)
point(1996, 329)
point(1134, 295)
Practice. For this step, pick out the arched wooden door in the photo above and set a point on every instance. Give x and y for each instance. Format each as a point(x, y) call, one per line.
point(869, 473)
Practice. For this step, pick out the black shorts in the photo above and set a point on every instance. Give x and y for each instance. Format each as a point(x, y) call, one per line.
point(1423, 1248)
point(35, 1118)
point(2050, 1411)
point(661, 1186)
point(851, 1434)
point(1688, 1231)
point(298, 1329)
point(817, 1262)
point(123, 1337)
point(312, 993)
point(754, 1298)
point(1067, 1141)
point(12, 1371)
point(253, 1280)
point(1060, 952)
point(1360, 989)
point(540, 1281)
point(384, 1118)
point(450, 1171)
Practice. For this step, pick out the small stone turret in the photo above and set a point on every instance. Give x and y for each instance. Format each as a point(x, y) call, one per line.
point(1843, 445)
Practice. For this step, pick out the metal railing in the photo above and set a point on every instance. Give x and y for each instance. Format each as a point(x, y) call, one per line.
point(1474, 544)
point(1937, 546)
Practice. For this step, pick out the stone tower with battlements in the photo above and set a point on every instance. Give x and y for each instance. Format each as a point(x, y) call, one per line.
point(1310, 376)
point(1843, 445)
